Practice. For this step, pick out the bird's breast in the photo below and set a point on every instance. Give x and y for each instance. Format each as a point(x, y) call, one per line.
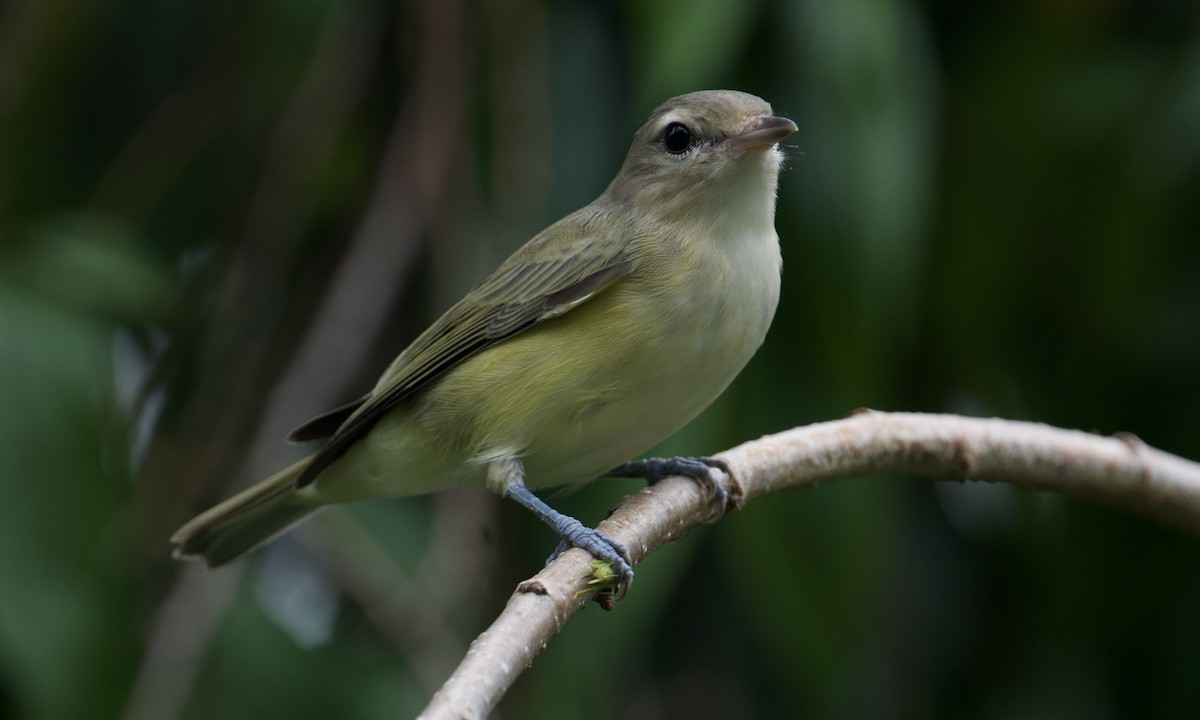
point(666, 344)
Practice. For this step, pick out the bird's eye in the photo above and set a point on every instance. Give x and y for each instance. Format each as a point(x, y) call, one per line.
point(677, 138)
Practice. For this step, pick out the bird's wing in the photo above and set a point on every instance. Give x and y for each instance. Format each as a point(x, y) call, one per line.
point(327, 423)
point(541, 281)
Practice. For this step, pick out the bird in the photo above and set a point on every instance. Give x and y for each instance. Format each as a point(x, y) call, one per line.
point(596, 340)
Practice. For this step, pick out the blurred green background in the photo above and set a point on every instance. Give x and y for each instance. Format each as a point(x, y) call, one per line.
point(218, 218)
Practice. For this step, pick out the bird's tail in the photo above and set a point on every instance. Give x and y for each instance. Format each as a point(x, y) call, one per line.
point(243, 522)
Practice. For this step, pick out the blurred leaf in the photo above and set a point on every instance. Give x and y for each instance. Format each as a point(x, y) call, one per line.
point(64, 615)
point(91, 264)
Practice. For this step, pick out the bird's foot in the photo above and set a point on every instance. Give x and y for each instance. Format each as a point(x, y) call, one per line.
point(696, 468)
point(611, 552)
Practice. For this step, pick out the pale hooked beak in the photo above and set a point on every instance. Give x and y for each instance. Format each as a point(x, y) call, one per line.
point(761, 133)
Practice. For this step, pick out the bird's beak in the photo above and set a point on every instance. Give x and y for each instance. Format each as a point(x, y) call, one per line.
point(761, 133)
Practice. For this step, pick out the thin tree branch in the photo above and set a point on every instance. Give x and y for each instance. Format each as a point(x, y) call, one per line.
point(1120, 470)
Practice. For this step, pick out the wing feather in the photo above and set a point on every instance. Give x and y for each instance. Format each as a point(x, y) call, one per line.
point(536, 284)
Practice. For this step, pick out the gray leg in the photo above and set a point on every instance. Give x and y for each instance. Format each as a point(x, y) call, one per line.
point(568, 528)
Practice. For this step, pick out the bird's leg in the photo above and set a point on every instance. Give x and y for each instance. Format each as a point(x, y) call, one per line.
point(696, 468)
point(509, 475)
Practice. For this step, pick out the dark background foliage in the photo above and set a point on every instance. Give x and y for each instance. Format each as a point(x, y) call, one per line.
point(218, 218)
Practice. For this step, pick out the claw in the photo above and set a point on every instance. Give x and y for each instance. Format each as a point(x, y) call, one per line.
point(602, 548)
point(696, 468)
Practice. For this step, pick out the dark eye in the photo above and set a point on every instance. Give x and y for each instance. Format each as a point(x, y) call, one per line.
point(677, 138)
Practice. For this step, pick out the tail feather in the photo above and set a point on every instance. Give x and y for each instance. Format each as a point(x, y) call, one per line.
point(243, 522)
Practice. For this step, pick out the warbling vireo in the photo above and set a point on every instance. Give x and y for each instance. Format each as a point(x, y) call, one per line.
point(600, 337)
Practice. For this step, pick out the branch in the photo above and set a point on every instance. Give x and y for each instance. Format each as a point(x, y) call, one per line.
point(1121, 471)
